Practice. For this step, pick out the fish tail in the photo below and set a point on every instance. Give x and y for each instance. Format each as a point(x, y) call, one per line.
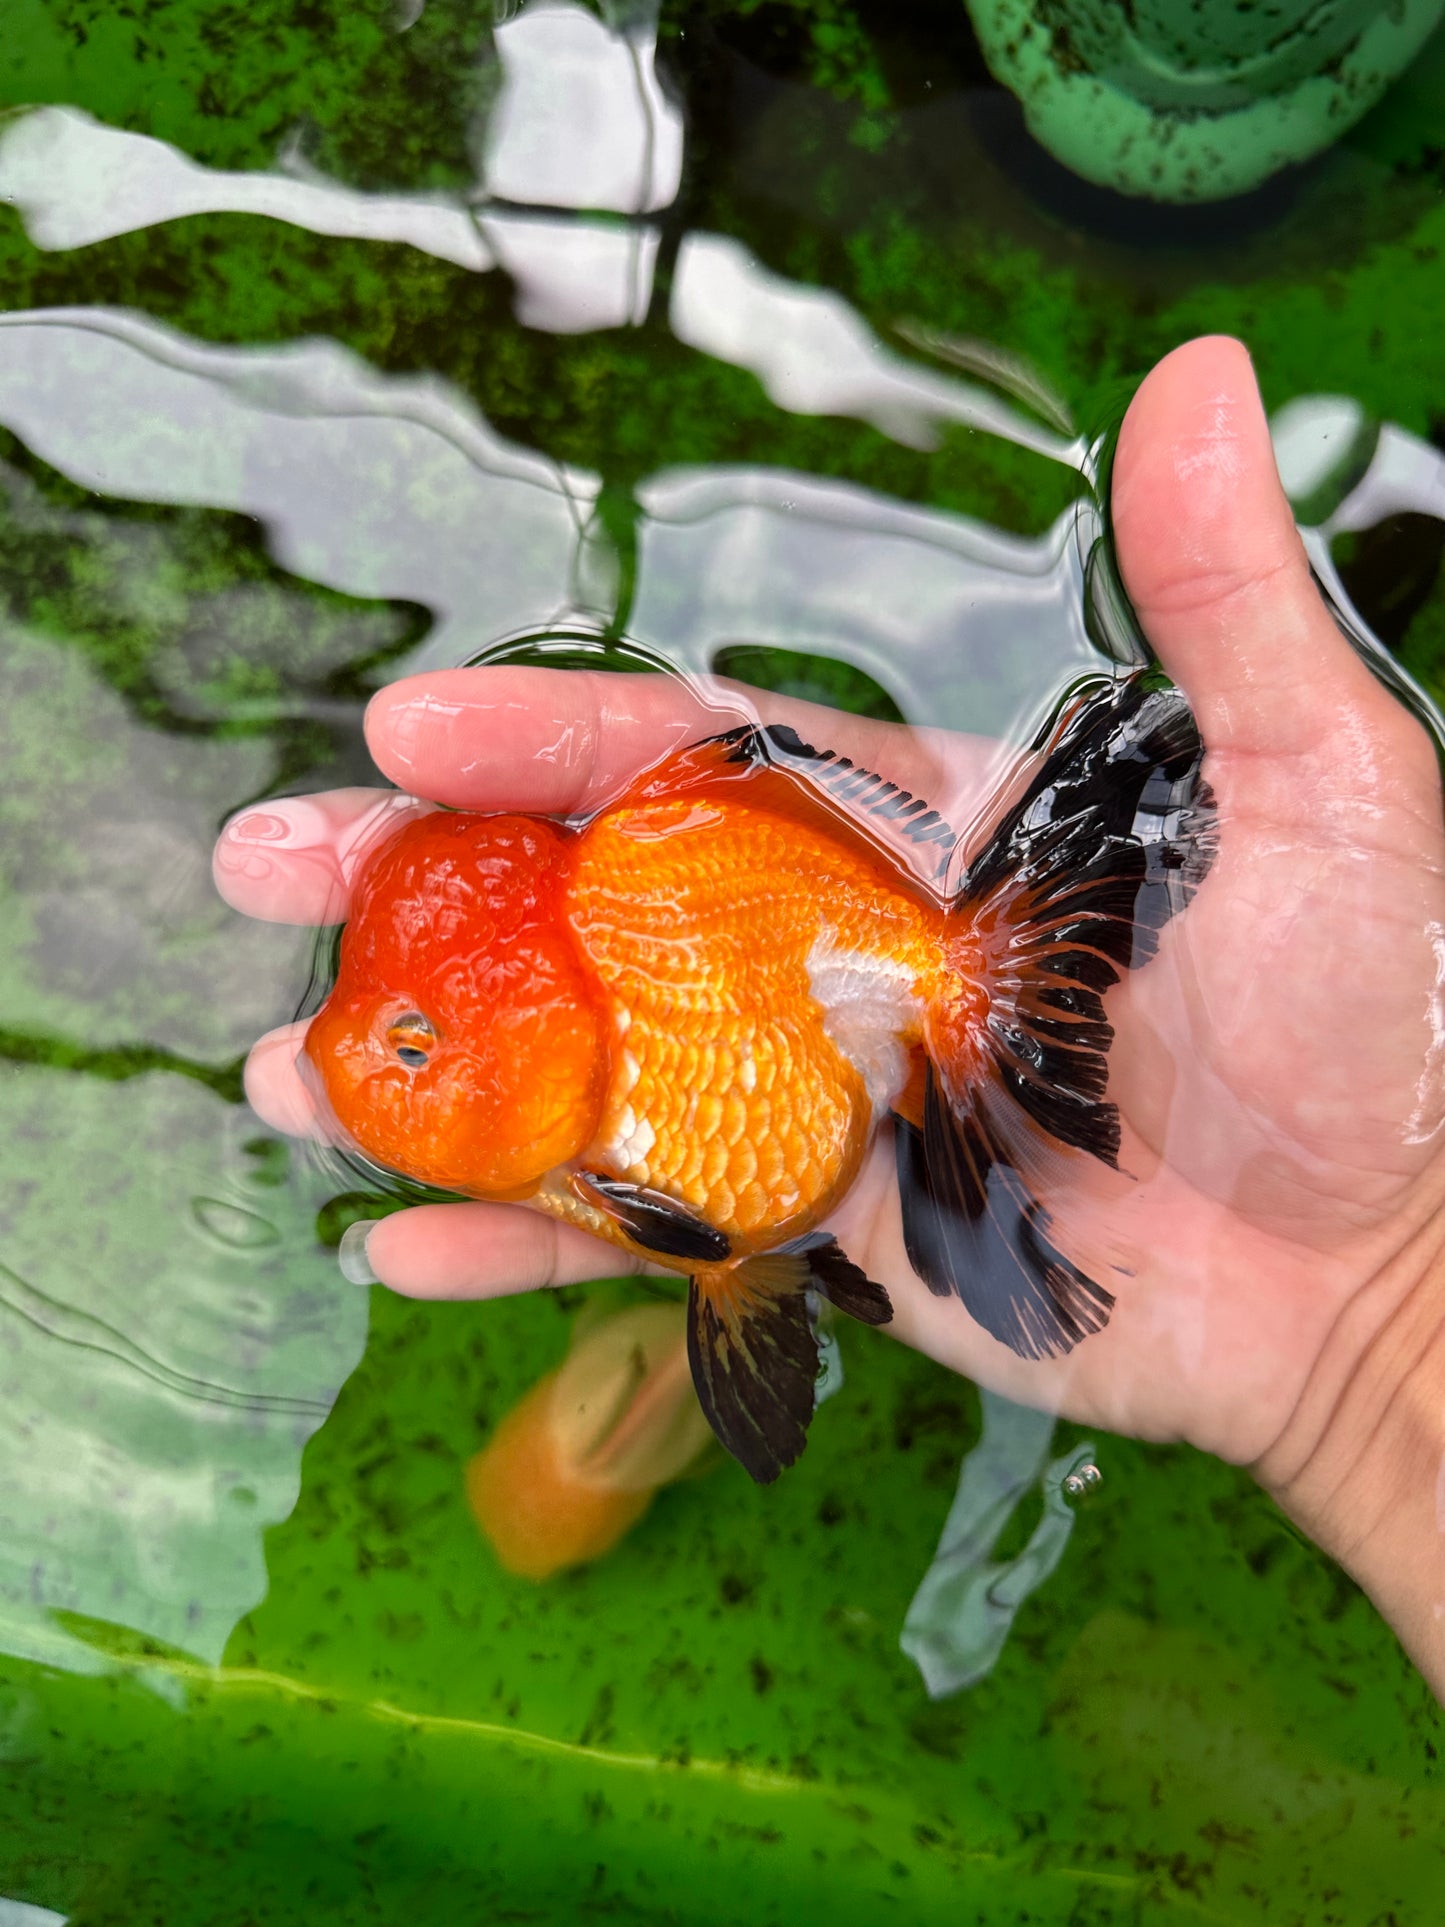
point(754, 1351)
point(1111, 838)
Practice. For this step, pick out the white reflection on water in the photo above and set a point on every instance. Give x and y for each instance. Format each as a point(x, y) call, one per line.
point(157, 1384)
point(396, 488)
point(573, 276)
point(961, 623)
point(76, 181)
point(79, 182)
point(170, 1335)
point(376, 485)
point(816, 356)
point(19, 1913)
point(581, 120)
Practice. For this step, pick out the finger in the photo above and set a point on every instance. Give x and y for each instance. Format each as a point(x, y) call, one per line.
point(562, 742)
point(276, 1089)
point(1213, 563)
point(475, 1251)
point(293, 860)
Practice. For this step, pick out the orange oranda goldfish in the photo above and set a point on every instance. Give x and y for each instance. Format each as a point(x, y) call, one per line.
point(678, 1024)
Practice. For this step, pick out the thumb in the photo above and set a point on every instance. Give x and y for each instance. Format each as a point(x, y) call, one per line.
point(1214, 566)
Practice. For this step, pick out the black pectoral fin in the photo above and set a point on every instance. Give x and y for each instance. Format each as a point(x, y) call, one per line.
point(653, 1220)
point(972, 1226)
point(754, 1361)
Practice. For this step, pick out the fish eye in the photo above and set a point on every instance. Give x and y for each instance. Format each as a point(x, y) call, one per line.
point(409, 1036)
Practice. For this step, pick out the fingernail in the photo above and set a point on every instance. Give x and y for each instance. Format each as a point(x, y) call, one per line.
point(258, 827)
point(351, 1253)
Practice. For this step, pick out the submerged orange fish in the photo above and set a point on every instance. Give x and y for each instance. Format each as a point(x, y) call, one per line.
point(573, 1467)
point(678, 1024)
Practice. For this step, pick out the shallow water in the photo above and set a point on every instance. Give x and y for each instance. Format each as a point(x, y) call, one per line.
point(327, 357)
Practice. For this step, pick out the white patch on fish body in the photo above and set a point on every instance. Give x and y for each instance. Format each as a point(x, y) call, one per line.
point(867, 1002)
point(629, 1141)
point(637, 1146)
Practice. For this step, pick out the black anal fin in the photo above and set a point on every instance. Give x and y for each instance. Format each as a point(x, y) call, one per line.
point(754, 1363)
point(972, 1226)
point(653, 1220)
point(753, 1350)
point(844, 1284)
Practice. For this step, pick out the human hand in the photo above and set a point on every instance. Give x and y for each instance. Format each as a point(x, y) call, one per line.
point(1278, 1068)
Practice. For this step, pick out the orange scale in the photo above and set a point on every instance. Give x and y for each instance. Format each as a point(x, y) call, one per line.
point(751, 1206)
point(772, 1161)
point(734, 1121)
point(743, 1168)
point(714, 1162)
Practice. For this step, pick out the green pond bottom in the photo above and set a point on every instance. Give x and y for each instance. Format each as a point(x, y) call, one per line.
point(716, 1724)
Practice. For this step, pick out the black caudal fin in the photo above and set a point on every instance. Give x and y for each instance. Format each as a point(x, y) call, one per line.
point(1121, 776)
point(971, 1225)
point(753, 1350)
point(1111, 838)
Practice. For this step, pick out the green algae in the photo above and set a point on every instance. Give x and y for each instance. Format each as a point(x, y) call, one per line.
point(726, 1693)
point(184, 615)
point(236, 88)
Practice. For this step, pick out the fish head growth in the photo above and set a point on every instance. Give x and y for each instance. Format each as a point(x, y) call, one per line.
point(462, 1045)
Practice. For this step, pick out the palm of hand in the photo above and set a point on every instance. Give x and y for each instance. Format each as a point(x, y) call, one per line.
point(1279, 1102)
point(1277, 1069)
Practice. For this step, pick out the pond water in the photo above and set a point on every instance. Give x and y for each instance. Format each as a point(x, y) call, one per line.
point(339, 343)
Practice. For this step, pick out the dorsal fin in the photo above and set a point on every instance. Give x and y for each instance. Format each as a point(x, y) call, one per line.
point(791, 778)
point(861, 791)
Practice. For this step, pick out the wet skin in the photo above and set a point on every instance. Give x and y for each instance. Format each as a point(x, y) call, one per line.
point(1280, 1067)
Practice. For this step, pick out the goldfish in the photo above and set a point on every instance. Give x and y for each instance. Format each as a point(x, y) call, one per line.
point(577, 1461)
point(679, 1022)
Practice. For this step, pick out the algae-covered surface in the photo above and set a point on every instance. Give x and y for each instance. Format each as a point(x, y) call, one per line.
point(325, 355)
